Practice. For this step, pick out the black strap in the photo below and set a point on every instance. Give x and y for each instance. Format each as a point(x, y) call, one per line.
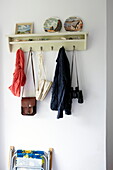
point(74, 57)
point(30, 54)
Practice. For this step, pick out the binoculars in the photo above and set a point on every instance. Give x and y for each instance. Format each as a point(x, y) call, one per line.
point(76, 93)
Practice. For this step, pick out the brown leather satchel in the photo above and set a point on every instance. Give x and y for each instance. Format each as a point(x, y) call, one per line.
point(28, 104)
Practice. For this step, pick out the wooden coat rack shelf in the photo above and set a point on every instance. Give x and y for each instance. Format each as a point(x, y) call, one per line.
point(48, 41)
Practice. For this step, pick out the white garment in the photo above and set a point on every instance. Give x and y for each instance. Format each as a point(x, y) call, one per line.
point(43, 84)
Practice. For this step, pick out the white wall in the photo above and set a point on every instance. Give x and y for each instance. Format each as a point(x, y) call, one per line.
point(109, 86)
point(78, 140)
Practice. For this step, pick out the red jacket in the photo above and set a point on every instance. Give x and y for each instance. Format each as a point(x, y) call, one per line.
point(19, 78)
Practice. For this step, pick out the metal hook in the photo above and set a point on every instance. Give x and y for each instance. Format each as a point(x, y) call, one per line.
point(30, 48)
point(73, 47)
point(41, 48)
point(52, 48)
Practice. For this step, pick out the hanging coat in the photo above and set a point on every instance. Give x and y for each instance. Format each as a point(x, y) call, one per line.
point(61, 85)
point(19, 78)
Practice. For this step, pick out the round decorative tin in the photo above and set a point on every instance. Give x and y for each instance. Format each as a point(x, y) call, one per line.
point(73, 24)
point(52, 25)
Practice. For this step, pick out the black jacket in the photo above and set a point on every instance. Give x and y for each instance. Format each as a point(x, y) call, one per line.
point(61, 85)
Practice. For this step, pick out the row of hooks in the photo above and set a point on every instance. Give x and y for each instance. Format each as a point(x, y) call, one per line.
point(41, 48)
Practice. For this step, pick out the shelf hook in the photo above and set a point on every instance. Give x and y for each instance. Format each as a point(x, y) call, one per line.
point(73, 47)
point(52, 48)
point(30, 48)
point(41, 48)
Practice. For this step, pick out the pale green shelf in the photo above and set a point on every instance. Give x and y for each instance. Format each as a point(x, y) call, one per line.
point(48, 41)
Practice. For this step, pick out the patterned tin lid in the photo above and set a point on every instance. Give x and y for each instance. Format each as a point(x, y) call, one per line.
point(73, 24)
point(52, 25)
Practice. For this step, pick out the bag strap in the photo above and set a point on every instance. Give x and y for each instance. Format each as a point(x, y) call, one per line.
point(30, 54)
point(41, 72)
point(74, 57)
point(33, 69)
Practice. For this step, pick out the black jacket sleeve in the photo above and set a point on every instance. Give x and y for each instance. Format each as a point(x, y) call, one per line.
point(61, 85)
